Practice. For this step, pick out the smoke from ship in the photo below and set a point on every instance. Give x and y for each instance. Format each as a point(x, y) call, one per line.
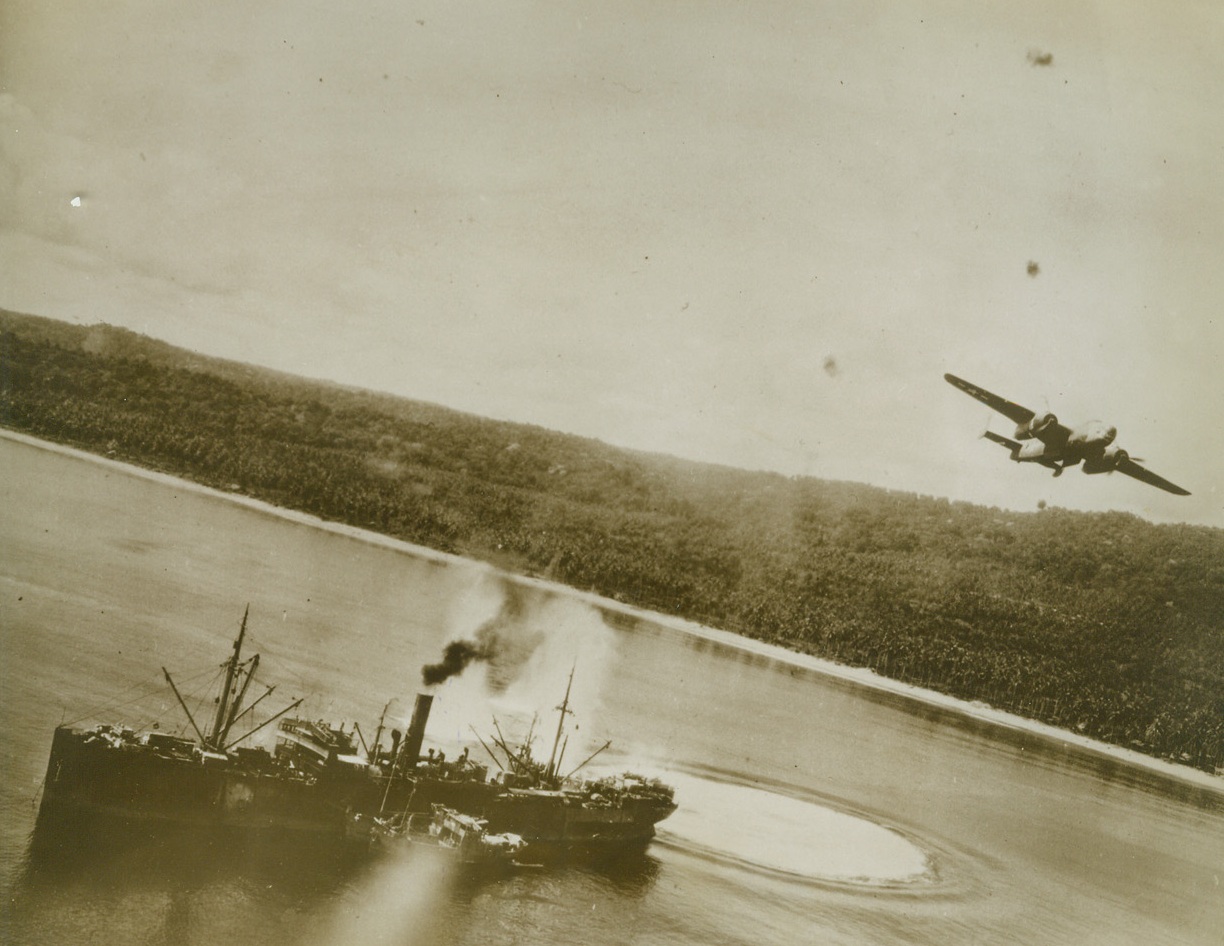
point(517, 660)
point(455, 658)
point(504, 642)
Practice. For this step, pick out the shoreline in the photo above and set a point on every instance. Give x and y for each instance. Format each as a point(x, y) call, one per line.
point(857, 676)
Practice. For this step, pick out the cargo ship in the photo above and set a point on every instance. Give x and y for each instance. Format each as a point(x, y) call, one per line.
point(320, 779)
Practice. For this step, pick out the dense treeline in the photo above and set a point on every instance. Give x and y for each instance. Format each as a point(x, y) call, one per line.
point(1104, 624)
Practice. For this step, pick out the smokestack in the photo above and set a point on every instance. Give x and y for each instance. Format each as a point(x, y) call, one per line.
point(416, 730)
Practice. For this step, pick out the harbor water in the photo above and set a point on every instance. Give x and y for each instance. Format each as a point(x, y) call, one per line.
point(813, 808)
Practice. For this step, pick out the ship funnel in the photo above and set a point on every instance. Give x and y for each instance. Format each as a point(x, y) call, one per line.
point(416, 729)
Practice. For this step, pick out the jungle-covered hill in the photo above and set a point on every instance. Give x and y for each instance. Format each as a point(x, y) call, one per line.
point(1101, 623)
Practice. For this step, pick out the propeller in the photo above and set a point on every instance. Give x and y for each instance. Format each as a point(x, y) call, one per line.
point(1121, 457)
point(1114, 470)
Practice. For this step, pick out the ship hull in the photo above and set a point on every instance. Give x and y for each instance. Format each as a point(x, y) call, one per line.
point(91, 779)
point(559, 823)
point(316, 786)
point(99, 788)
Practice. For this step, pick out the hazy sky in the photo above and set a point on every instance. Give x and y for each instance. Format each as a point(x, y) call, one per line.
point(755, 233)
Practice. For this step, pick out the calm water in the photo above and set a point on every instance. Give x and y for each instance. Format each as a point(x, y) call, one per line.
point(812, 811)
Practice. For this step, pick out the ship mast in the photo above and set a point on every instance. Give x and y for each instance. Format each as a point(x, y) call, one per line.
point(564, 708)
point(229, 702)
point(373, 754)
point(217, 734)
point(248, 675)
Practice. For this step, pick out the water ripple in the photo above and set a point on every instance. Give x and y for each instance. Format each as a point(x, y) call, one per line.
point(766, 830)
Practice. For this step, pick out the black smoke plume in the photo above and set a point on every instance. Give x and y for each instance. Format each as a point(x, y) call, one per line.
point(455, 658)
point(504, 642)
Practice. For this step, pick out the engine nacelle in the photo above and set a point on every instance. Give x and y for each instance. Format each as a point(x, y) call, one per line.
point(1108, 461)
point(1035, 425)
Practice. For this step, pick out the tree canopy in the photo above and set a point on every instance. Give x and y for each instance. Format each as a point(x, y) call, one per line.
point(1100, 623)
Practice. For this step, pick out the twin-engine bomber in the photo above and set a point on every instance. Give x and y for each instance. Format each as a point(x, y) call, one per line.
point(1040, 438)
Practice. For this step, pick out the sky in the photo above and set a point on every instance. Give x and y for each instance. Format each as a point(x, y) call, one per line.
point(750, 233)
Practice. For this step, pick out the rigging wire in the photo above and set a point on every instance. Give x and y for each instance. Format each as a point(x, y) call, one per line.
point(198, 696)
point(257, 643)
point(150, 686)
point(283, 662)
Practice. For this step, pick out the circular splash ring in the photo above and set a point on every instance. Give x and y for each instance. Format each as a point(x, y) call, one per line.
point(787, 834)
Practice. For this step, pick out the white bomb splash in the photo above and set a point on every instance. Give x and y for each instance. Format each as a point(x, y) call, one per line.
point(773, 832)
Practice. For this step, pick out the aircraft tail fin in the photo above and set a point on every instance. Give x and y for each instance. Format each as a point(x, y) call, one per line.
point(1001, 440)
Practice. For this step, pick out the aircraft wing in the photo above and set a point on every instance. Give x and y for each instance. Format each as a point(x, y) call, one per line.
point(1049, 431)
point(1009, 409)
point(1131, 468)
